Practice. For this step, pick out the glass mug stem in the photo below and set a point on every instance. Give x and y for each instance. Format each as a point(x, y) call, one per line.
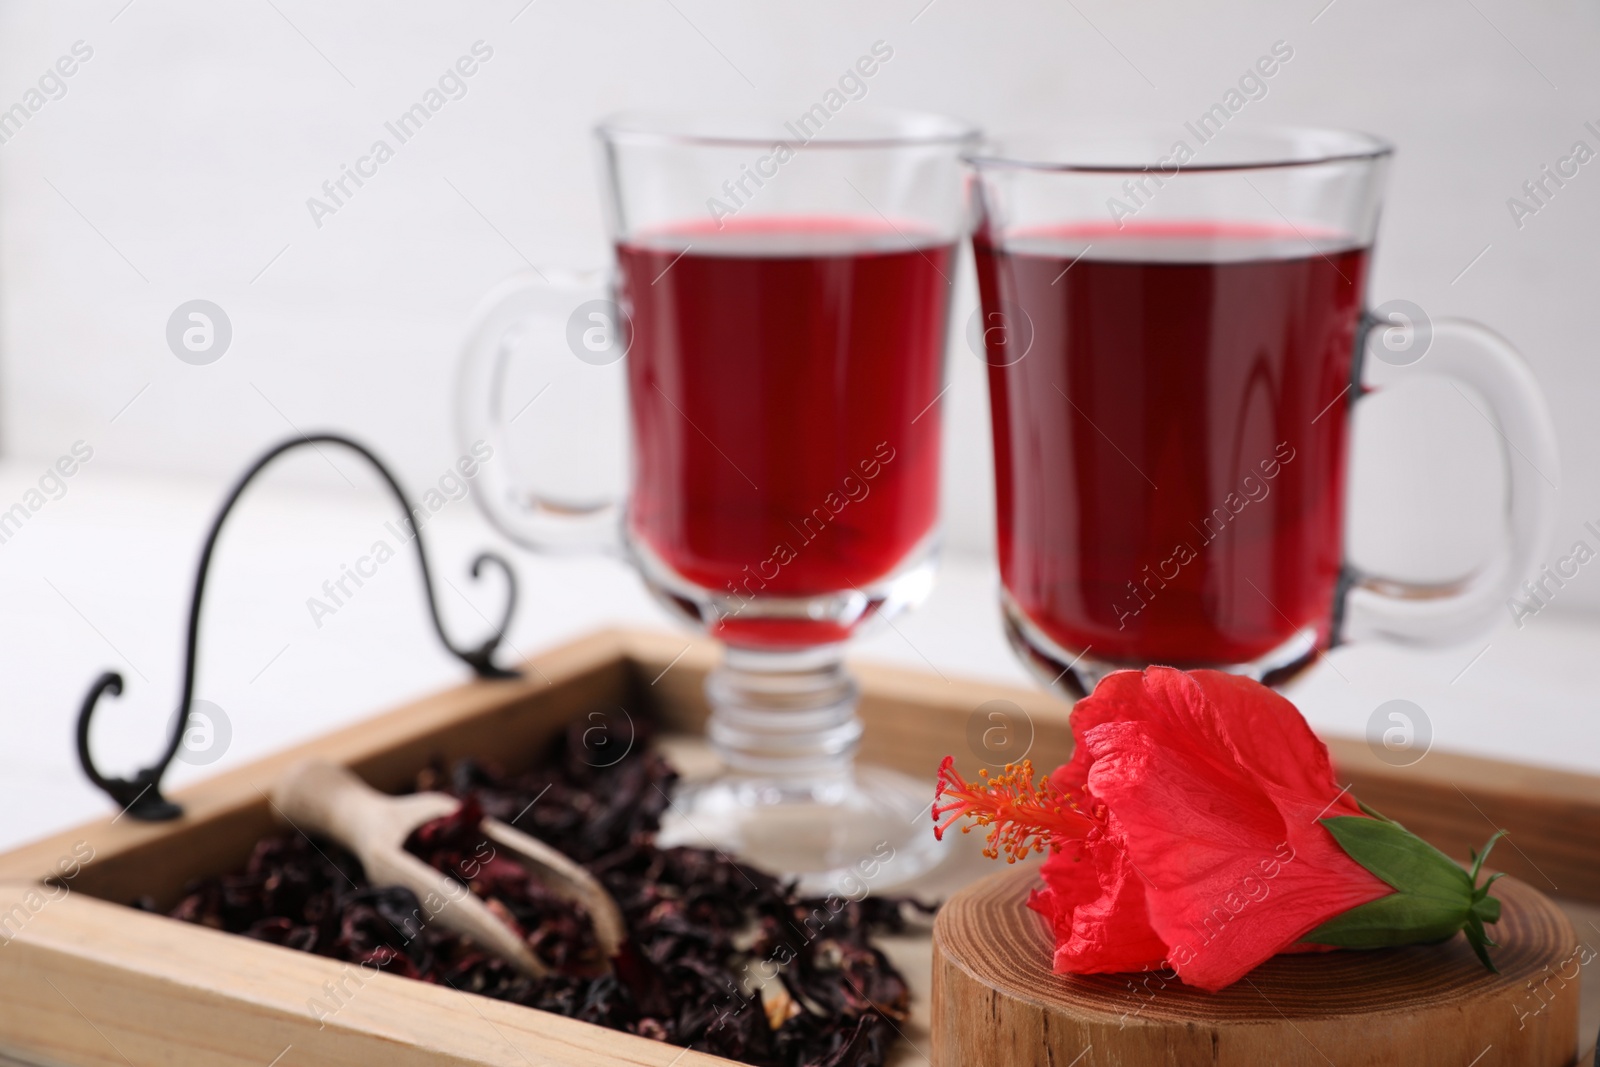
point(785, 715)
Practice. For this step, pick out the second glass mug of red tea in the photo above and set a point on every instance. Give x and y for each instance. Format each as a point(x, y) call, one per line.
point(1175, 333)
point(781, 291)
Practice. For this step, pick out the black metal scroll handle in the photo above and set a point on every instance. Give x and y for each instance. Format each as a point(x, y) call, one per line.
point(140, 796)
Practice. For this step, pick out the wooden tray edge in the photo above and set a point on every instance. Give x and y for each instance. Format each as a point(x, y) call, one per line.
point(154, 990)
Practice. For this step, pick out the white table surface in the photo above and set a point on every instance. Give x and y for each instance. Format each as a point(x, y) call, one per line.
point(101, 579)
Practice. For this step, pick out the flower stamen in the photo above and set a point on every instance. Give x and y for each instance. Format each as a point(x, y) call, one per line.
point(1023, 815)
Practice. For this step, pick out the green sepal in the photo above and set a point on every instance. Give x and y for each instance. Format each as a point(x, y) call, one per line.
point(1391, 921)
point(1401, 858)
point(1479, 857)
point(1433, 897)
point(1374, 812)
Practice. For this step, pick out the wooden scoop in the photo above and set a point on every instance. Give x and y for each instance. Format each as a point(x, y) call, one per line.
point(328, 799)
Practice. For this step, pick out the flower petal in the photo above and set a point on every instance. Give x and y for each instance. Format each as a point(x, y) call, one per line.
point(1267, 735)
point(1219, 814)
point(1261, 730)
point(1095, 904)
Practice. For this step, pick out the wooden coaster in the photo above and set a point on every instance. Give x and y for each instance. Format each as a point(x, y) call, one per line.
point(996, 1001)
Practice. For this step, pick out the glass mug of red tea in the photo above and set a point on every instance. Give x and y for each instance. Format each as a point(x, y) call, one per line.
point(781, 291)
point(1175, 335)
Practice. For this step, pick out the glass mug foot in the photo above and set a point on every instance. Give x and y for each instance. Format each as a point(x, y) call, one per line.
point(790, 799)
point(868, 832)
point(1074, 674)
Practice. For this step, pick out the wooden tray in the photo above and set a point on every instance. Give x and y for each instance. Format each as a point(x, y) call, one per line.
point(87, 981)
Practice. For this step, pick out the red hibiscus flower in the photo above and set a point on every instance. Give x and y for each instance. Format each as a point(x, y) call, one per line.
point(1199, 827)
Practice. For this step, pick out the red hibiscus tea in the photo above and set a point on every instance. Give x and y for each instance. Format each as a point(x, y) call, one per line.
point(1170, 450)
point(782, 376)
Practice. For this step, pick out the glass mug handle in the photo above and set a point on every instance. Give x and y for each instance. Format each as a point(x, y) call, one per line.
point(1480, 359)
point(554, 316)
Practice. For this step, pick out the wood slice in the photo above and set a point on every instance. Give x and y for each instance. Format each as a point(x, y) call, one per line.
point(996, 1001)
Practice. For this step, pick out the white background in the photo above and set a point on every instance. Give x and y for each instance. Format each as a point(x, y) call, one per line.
point(179, 163)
